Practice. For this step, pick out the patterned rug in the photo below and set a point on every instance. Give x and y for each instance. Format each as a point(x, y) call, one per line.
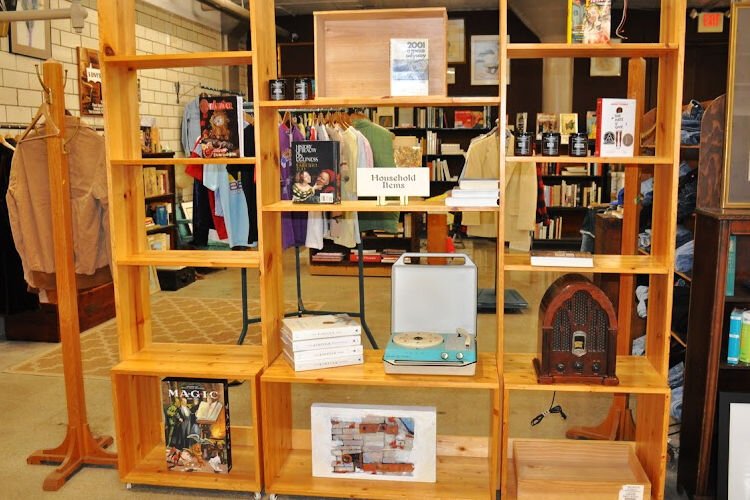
point(175, 319)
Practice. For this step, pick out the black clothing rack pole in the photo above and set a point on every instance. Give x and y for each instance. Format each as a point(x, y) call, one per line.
point(246, 320)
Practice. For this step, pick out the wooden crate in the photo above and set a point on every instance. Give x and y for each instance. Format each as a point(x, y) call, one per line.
point(580, 470)
point(352, 49)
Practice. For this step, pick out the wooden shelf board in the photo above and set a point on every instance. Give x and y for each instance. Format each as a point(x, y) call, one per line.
point(159, 229)
point(371, 206)
point(375, 270)
point(152, 470)
point(457, 477)
point(372, 373)
point(341, 102)
point(194, 360)
point(623, 264)
point(631, 160)
point(183, 161)
point(541, 50)
point(636, 375)
point(194, 258)
point(159, 196)
point(191, 59)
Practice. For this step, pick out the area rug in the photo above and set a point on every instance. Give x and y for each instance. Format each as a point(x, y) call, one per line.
point(175, 319)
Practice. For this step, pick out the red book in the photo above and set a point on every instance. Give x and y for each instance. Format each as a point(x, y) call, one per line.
point(354, 257)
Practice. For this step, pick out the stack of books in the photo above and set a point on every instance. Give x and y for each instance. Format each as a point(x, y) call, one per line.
point(326, 341)
point(475, 193)
point(391, 255)
point(327, 257)
point(371, 256)
point(451, 149)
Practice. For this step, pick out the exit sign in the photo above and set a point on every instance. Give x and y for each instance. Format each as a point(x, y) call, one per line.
point(710, 22)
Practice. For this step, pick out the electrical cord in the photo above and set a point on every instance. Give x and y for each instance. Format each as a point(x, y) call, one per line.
point(552, 409)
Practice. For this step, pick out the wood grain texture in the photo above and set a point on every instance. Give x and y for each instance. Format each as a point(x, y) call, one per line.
point(542, 50)
point(634, 264)
point(633, 160)
point(196, 258)
point(372, 206)
point(183, 161)
point(711, 163)
point(191, 59)
point(380, 100)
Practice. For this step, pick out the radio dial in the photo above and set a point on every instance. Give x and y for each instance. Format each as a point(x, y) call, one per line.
point(561, 367)
point(596, 366)
point(578, 365)
point(459, 355)
point(444, 355)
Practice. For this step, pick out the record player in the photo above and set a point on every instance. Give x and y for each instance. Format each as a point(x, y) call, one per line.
point(434, 316)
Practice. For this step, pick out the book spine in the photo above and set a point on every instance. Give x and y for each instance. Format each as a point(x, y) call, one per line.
point(322, 354)
point(322, 333)
point(227, 427)
point(570, 22)
point(733, 344)
point(598, 145)
point(325, 363)
point(309, 345)
point(745, 338)
point(731, 265)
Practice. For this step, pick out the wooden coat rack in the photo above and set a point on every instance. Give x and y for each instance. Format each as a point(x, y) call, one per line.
point(79, 447)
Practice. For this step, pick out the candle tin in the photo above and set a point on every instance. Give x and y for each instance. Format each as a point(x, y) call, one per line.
point(551, 144)
point(277, 89)
point(522, 144)
point(579, 144)
point(302, 89)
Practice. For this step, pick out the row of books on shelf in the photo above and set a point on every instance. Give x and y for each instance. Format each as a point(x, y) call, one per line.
point(551, 231)
point(385, 256)
point(589, 169)
point(572, 195)
point(407, 117)
point(439, 171)
point(324, 341)
point(475, 193)
point(155, 182)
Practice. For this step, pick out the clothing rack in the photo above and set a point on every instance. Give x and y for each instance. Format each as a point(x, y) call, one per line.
point(301, 309)
point(80, 447)
point(178, 85)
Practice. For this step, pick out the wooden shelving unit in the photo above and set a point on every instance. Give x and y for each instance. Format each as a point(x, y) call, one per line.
point(644, 379)
point(282, 464)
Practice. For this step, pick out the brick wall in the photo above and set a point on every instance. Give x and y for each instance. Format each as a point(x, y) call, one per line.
point(157, 31)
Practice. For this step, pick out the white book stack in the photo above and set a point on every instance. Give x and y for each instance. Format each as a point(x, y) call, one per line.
point(475, 193)
point(325, 341)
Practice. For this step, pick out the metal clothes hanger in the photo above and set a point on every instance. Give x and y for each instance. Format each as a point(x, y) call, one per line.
point(43, 111)
point(5, 143)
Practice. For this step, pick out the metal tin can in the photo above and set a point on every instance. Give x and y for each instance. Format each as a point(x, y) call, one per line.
point(579, 144)
point(302, 89)
point(522, 144)
point(277, 89)
point(551, 144)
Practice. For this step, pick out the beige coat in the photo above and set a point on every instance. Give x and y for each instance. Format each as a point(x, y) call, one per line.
point(518, 197)
point(29, 207)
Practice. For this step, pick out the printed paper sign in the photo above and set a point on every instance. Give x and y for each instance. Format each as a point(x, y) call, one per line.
point(393, 181)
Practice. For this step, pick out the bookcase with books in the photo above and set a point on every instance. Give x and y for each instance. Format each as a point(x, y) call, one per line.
point(160, 197)
point(466, 468)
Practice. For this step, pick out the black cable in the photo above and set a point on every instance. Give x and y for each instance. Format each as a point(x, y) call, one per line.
point(552, 409)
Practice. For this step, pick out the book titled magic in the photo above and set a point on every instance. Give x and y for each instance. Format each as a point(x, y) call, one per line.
point(316, 172)
point(196, 425)
point(222, 127)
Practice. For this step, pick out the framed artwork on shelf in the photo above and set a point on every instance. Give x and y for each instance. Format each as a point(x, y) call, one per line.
point(606, 66)
point(568, 125)
point(89, 82)
point(484, 60)
point(733, 456)
point(31, 38)
point(456, 41)
point(391, 443)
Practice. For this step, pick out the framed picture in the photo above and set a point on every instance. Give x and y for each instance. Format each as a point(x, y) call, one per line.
point(484, 60)
point(734, 455)
point(456, 41)
point(31, 38)
point(90, 82)
point(391, 443)
point(606, 66)
point(568, 125)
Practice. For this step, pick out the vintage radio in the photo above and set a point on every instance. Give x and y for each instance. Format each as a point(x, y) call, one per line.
point(578, 334)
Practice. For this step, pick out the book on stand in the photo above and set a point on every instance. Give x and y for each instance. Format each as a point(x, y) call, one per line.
point(597, 21)
point(576, 14)
point(615, 127)
point(196, 425)
point(222, 130)
point(316, 172)
point(409, 67)
point(546, 122)
point(560, 258)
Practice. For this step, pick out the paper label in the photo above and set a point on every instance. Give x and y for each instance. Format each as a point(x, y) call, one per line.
point(631, 492)
point(393, 181)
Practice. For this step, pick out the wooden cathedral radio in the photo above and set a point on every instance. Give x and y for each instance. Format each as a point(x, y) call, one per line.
point(578, 334)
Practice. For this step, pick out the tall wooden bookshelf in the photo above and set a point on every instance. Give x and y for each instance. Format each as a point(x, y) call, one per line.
point(275, 454)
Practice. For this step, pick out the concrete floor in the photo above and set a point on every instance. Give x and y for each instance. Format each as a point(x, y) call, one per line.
point(36, 414)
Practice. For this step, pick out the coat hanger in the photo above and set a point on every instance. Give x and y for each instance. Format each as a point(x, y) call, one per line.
point(287, 118)
point(5, 143)
point(43, 111)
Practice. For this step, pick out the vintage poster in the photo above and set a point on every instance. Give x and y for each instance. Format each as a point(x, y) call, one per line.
point(89, 82)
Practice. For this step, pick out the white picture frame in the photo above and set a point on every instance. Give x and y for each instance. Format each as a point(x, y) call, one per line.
point(606, 66)
point(387, 443)
point(456, 52)
point(31, 38)
point(485, 50)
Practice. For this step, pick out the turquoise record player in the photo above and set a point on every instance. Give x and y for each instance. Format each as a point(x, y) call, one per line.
point(433, 316)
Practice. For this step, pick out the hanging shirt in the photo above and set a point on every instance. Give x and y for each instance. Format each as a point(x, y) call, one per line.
point(29, 207)
point(191, 126)
point(293, 224)
point(230, 200)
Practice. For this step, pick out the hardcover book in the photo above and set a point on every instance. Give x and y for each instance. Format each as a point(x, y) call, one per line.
point(479, 184)
point(316, 344)
point(409, 67)
point(196, 425)
point(316, 172)
point(597, 21)
point(322, 354)
point(560, 258)
point(318, 364)
point(222, 127)
point(319, 327)
point(615, 127)
point(576, 13)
